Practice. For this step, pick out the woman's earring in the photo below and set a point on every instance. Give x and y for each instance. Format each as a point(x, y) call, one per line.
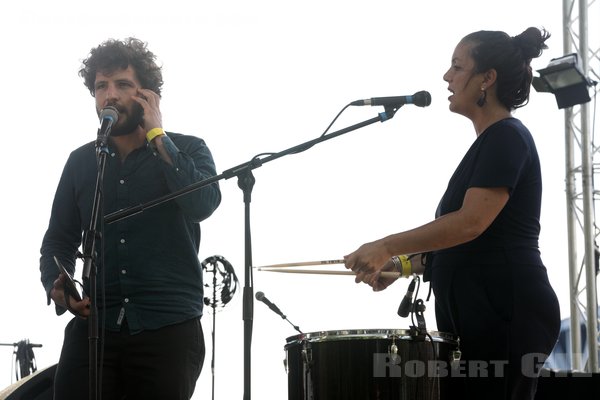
point(482, 98)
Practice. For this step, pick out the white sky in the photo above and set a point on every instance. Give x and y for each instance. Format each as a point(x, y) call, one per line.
point(253, 77)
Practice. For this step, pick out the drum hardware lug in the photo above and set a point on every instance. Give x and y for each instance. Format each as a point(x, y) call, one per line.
point(307, 355)
point(393, 351)
point(455, 355)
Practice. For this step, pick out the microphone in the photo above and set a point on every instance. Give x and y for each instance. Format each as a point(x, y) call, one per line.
point(108, 117)
point(419, 99)
point(260, 296)
point(405, 305)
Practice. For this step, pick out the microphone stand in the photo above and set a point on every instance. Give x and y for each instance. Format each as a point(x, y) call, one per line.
point(246, 182)
point(89, 264)
point(214, 328)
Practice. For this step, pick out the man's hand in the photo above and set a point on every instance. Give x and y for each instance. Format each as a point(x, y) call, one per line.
point(78, 308)
point(150, 102)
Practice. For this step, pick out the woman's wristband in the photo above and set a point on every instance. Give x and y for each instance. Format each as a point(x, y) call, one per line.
point(403, 265)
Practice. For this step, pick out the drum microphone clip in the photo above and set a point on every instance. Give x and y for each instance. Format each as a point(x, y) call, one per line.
point(416, 308)
point(419, 308)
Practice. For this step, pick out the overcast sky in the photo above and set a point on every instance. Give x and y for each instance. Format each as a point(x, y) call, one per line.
point(255, 77)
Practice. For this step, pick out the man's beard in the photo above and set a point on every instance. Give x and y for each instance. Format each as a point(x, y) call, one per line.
point(134, 119)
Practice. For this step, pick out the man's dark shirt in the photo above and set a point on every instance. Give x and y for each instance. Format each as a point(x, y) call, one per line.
point(149, 261)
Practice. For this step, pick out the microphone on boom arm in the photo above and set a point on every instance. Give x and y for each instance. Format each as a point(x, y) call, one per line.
point(419, 99)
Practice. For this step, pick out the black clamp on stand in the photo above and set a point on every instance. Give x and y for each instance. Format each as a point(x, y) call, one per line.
point(418, 332)
point(246, 182)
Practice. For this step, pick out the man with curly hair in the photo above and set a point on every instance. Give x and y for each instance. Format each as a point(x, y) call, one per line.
point(150, 290)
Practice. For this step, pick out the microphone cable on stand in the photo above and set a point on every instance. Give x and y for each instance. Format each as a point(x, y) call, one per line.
point(223, 290)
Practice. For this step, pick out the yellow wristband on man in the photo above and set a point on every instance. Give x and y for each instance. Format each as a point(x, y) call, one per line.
point(154, 133)
point(403, 265)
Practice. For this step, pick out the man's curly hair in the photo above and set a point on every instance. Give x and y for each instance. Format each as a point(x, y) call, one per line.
point(113, 55)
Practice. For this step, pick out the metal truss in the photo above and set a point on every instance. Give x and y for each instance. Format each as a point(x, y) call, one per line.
point(581, 171)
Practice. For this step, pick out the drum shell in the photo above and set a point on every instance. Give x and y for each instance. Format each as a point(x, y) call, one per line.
point(359, 364)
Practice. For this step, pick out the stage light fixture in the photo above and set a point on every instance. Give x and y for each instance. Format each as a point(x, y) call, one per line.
point(564, 78)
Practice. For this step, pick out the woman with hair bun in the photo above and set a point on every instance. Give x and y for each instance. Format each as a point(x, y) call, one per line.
point(481, 252)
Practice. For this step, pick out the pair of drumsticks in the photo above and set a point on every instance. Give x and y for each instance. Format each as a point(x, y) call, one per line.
point(291, 268)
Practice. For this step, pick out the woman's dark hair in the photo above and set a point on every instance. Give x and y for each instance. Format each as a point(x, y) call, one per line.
point(112, 55)
point(511, 58)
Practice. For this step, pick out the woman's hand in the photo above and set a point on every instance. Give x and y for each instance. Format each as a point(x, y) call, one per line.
point(368, 262)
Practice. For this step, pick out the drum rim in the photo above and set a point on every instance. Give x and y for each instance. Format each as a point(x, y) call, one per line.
point(348, 334)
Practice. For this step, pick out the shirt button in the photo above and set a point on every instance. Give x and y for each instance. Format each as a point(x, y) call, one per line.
point(112, 154)
point(122, 181)
point(126, 300)
point(122, 240)
point(124, 271)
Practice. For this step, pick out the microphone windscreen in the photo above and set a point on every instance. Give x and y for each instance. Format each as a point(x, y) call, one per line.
point(259, 296)
point(109, 113)
point(422, 98)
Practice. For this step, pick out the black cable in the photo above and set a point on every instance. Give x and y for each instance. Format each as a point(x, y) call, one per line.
point(426, 333)
point(326, 129)
point(412, 306)
point(300, 150)
point(335, 119)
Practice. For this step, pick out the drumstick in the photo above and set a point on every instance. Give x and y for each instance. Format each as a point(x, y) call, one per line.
point(302, 264)
point(384, 274)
